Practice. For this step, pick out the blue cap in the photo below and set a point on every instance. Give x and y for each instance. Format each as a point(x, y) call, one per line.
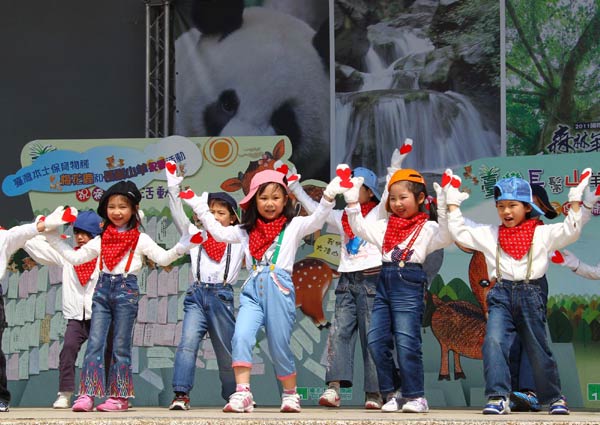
point(516, 189)
point(370, 179)
point(89, 222)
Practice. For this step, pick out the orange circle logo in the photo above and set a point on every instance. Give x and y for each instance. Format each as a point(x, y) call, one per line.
point(220, 151)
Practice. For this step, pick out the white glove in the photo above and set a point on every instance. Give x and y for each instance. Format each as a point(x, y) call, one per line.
point(440, 197)
point(61, 215)
point(199, 204)
point(352, 194)
point(450, 186)
point(340, 183)
point(293, 178)
point(590, 198)
point(399, 155)
point(173, 179)
point(187, 242)
point(565, 259)
point(576, 193)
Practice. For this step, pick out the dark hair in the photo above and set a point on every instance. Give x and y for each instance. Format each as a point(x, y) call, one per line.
point(416, 189)
point(135, 219)
point(225, 204)
point(78, 230)
point(251, 214)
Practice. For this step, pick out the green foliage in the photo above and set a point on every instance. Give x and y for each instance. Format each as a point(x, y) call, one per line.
point(437, 284)
point(560, 327)
point(463, 291)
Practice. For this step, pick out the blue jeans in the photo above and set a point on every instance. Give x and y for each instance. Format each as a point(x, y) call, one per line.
point(268, 299)
point(115, 301)
point(518, 309)
point(398, 311)
point(354, 296)
point(207, 308)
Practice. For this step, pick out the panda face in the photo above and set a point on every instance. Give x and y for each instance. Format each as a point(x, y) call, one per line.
point(265, 78)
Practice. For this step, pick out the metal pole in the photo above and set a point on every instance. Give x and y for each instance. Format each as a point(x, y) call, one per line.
point(167, 69)
point(147, 111)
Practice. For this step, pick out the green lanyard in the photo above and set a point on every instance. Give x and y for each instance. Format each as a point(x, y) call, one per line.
point(273, 259)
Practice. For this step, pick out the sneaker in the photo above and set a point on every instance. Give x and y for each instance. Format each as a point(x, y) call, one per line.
point(559, 407)
point(392, 404)
point(240, 402)
point(290, 403)
point(416, 405)
point(330, 398)
point(84, 403)
point(113, 404)
point(496, 406)
point(373, 401)
point(63, 401)
point(3, 406)
point(180, 402)
point(524, 401)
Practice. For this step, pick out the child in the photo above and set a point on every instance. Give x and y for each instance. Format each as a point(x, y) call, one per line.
point(208, 305)
point(516, 254)
point(405, 239)
point(78, 283)
point(11, 241)
point(120, 250)
point(271, 234)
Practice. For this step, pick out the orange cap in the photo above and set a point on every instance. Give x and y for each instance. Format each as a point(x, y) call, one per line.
point(406, 174)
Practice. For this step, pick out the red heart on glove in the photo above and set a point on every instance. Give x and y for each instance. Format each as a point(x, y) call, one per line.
point(187, 194)
point(347, 183)
point(43, 218)
point(67, 216)
point(197, 238)
point(446, 178)
point(584, 175)
point(344, 174)
point(404, 149)
point(597, 192)
point(293, 177)
point(171, 167)
point(283, 169)
point(455, 182)
point(557, 258)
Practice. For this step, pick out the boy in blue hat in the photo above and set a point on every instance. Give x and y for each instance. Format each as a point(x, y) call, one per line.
point(516, 254)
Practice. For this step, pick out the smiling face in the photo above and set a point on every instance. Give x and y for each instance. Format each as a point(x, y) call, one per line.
point(271, 201)
point(222, 213)
point(119, 210)
point(512, 213)
point(402, 201)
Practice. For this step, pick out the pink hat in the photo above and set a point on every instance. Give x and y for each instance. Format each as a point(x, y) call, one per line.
point(262, 177)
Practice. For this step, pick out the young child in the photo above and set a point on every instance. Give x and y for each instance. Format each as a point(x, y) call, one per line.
point(516, 254)
point(405, 239)
point(360, 265)
point(78, 284)
point(120, 250)
point(208, 305)
point(271, 234)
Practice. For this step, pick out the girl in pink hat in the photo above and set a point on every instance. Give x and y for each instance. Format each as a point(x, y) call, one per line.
point(271, 235)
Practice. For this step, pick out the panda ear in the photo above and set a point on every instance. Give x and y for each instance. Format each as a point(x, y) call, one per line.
point(321, 43)
point(217, 16)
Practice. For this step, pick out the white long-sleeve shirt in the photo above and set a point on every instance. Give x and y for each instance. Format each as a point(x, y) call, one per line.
point(368, 256)
point(76, 298)
point(296, 229)
point(546, 239)
point(210, 271)
point(12, 240)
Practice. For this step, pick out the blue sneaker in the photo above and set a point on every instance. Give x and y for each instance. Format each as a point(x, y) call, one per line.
point(559, 407)
point(524, 401)
point(496, 406)
point(3, 406)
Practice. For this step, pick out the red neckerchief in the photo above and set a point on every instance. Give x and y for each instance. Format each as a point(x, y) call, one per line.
point(516, 241)
point(398, 229)
point(263, 235)
point(214, 249)
point(84, 271)
point(115, 245)
point(364, 210)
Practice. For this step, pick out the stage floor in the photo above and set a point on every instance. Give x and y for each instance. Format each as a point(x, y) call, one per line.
point(272, 416)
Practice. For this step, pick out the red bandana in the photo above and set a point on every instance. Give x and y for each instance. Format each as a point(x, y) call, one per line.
point(214, 249)
point(516, 241)
point(263, 235)
point(115, 245)
point(364, 210)
point(398, 229)
point(84, 271)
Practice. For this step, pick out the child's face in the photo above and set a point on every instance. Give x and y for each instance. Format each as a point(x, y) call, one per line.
point(512, 213)
point(403, 202)
point(119, 210)
point(364, 194)
point(271, 202)
point(221, 213)
point(81, 238)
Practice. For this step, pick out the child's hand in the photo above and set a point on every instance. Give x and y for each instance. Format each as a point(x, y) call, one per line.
point(576, 193)
point(399, 155)
point(590, 198)
point(293, 178)
point(450, 187)
point(173, 179)
point(196, 202)
point(187, 242)
point(61, 215)
point(351, 195)
point(440, 197)
point(340, 183)
point(565, 259)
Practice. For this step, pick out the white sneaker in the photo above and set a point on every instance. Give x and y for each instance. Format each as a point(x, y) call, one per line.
point(416, 405)
point(63, 401)
point(330, 398)
point(240, 402)
point(290, 403)
point(391, 405)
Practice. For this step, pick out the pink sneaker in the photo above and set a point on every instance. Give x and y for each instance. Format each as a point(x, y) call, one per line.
point(84, 403)
point(113, 404)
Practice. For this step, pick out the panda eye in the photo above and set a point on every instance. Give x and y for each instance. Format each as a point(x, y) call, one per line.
point(229, 101)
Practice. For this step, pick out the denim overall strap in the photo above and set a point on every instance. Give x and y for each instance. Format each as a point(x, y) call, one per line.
point(529, 262)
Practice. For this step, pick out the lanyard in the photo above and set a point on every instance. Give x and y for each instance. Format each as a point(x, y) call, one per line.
point(273, 259)
point(410, 244)
point(227, 262)
point(529, 261)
